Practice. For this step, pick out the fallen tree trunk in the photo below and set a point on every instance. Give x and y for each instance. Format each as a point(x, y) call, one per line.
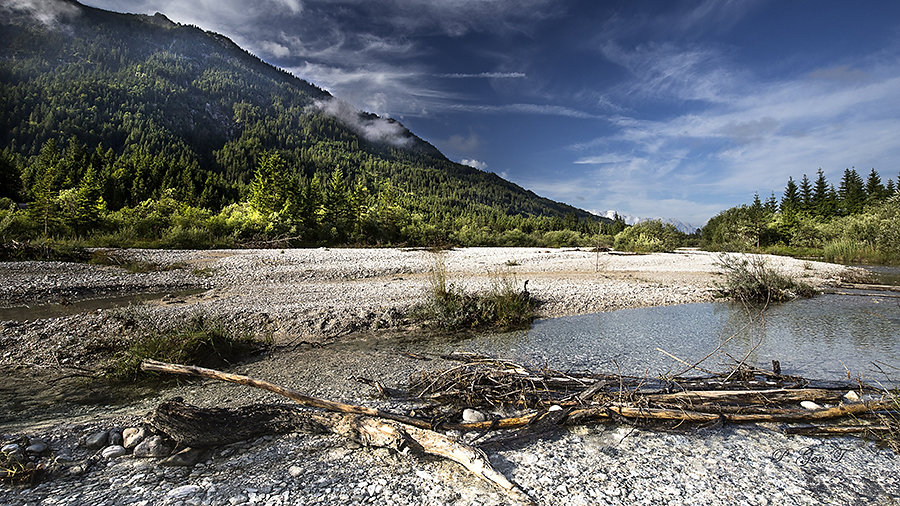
point(364, 425)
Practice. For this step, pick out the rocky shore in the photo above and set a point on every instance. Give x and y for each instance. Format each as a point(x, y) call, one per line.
point(336, 314)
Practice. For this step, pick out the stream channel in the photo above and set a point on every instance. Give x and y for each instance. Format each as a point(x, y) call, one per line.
point(829, 337)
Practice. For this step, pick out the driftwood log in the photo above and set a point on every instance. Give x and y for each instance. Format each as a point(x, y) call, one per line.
point(554, 398)
point(365, 425)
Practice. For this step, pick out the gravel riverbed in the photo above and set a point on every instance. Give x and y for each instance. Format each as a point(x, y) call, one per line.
point(336, 314)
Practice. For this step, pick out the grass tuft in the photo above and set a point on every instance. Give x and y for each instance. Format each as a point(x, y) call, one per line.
point(502, 307)
point(751, 281)
point(200, 341)
point(109, 257)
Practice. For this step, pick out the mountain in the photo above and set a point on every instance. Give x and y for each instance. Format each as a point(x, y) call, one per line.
point(687, 228)
point(162, 107)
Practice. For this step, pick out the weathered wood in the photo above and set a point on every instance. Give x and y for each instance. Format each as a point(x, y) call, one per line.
point(775, 415)
point(869, 286)
point(366, 425)
point(767, 396)
point(294, 395)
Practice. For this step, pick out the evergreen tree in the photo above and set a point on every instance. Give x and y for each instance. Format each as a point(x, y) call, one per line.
point(806, 193)
point(46, 175)
point(820, 195)
point(270, 186)
point(771, 205)
point(89, 204)
point(874, 188)
point(852, 192)
point(889, 189)
point(790, 202)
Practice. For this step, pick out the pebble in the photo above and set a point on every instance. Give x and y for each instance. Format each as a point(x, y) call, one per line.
point(113, 452)
point(97, 440)
point(851, 396)
point(133, 436)
point(153, 446)
point(11, 448)
point(39, 447)
point(810, 405)
point(183, 491)
point(473, 416)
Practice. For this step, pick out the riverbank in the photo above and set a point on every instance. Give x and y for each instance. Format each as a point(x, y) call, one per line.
point(315, 295)
point(339, 314)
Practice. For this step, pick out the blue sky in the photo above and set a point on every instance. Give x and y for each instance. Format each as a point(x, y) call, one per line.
point(654, 108)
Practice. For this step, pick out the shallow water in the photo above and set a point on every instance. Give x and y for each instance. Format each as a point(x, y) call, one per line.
point(823, 338)
point(56, 310)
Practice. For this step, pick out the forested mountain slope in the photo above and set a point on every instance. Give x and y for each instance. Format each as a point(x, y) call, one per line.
point(156, 108)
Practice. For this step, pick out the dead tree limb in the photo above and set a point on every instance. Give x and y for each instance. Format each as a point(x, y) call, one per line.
point(366, 425)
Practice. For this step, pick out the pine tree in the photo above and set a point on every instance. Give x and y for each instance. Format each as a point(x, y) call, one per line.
point(874, 188)
point(852, 192)
point(806, 193)
point(270, 186)
point(790, 202)
point(771, 205)
point(46, 173)
point(889, 189)
point(820, 195)
point(89, 204)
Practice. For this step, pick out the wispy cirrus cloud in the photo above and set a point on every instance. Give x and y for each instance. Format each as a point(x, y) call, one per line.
point(485, 75)
point(539, 109)
point(766, 131)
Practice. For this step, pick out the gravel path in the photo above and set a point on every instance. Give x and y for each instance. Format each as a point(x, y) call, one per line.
point(305, 299)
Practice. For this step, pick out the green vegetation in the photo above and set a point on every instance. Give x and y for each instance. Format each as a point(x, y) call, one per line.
point(857, 223)
point(200, 341)
point(502, 307)
point(649, 236)
point(132, 131)
point(107, 257)
point(749, 280)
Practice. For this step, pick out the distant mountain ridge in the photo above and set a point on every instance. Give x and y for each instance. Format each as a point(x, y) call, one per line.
point(687, 228)
point(183, 109)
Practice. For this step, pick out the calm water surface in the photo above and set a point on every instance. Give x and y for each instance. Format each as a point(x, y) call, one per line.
point(821, 338)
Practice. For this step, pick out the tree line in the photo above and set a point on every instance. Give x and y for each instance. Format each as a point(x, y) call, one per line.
point(857, 221)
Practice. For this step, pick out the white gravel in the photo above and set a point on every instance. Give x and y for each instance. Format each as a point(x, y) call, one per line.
point(315, 295)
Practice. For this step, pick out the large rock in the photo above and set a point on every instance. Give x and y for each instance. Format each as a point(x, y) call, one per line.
point(113, 452)
point(97, 440)
point(154, 446)
point(133, 436)
point(470, 415)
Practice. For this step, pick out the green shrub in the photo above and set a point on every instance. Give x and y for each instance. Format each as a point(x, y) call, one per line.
point(749, 280)
point(200, 341)
point(503, 306)
point(649, 236)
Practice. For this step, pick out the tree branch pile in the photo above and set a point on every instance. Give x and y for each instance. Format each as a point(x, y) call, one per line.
point(538, 397)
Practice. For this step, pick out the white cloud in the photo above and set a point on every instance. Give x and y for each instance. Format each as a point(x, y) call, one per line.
point(47, 12)
point(749, 135)
point(474, 163)
point(540, 109)
point(275, 49)
point(374, 129)
point(485, 75)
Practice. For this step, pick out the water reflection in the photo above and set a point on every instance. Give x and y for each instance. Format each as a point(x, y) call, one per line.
point(824, 338)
